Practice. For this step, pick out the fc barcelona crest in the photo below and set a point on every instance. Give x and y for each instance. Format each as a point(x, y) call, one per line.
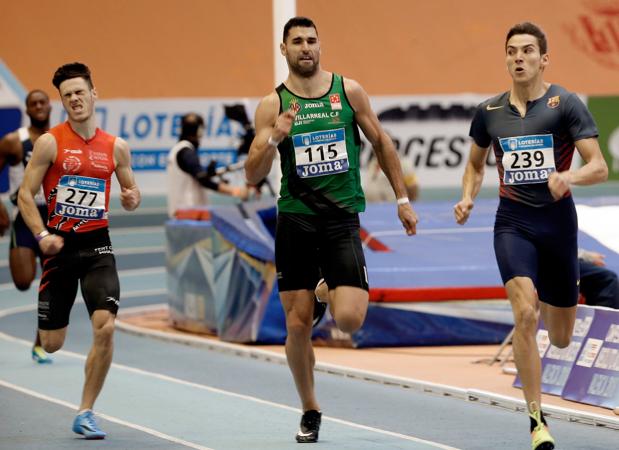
point(553, 102)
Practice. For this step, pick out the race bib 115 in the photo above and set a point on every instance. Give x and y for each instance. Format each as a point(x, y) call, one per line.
point(320, 153)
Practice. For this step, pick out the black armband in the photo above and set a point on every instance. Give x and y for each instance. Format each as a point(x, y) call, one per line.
point(206, 180)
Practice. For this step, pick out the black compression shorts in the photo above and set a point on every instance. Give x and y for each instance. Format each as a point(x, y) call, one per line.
point(86, 259)
point(540, 243)
point(308, 246)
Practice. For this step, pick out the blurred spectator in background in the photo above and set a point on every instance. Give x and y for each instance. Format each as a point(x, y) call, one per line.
point(598, 284)
point(15, 151)
point(187, 178)
point(238, 113)
point(377, 188)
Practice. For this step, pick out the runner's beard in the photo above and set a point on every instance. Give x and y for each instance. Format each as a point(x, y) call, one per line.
point(303, 71)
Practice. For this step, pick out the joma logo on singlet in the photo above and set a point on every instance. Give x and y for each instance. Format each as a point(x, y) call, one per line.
point(320, 168)
point(313, 105)
point(77, 211)
point(528, 176)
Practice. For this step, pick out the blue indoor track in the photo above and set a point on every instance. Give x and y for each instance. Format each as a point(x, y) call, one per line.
point(165, 395)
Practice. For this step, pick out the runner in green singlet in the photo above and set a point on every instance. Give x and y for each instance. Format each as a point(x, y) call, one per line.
point(313, 120)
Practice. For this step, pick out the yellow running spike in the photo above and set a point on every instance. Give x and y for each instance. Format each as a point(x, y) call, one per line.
point(540, 437)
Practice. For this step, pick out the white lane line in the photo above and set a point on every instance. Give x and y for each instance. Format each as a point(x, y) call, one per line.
point(17, 310)
point(466, 394)
point(139, 250)
point(144, 309)
point(121, 274)
point(441, 269)
point(123, 251)
point(278, 358)
point(400, 232)
point(117, 231)
point(145, 211)
point(139, 272)
point(568, 414)
point(203, 387)
point(79, 299)
point(11, 287)
point(143, 293)
point(113, 419)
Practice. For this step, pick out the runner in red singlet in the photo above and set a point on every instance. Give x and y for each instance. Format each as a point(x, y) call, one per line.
point(74, 162)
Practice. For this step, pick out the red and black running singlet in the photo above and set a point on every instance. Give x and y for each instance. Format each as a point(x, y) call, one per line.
point(528, 149)
point(77, 185)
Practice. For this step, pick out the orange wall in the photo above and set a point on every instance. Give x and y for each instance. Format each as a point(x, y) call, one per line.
point(143, 48)
point(209, 48)
point(446, 46)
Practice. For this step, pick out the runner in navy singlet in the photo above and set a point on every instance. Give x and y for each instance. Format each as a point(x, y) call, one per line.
point(533, 130)
point(15, 151)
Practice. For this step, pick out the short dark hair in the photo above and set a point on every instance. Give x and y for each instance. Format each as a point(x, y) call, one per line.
point(190, 123)
point(72, 70)
point(35, 91)
point(533, 30)
point(298, 21)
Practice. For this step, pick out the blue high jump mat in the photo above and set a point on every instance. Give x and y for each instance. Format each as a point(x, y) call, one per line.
point(440, 287)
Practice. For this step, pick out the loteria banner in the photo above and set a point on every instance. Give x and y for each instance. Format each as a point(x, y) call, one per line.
point(11, 93)
point(151, 127)
point(430, 133)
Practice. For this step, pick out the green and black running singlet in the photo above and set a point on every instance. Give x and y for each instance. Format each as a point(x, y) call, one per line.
point(320, 158)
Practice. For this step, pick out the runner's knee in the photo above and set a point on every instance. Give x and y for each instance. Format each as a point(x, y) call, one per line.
point(51, 343)
point(298, 329)
point(525, 318)
point(104, 335)
point(561, 338)
point(349, 321)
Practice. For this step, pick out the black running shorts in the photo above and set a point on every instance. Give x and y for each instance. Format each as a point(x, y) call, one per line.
point(540, 243)
point(308, 247)
point(87, 259)
point(21, 236)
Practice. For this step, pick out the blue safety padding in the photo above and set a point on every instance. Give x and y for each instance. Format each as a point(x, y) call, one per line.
point(443, 254)
point(10, 120)
point(386, 327)
point(245, 230)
